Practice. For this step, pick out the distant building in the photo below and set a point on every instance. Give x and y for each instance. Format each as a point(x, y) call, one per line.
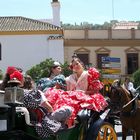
point(92, 45)
point(25, 42)
point(125, 25)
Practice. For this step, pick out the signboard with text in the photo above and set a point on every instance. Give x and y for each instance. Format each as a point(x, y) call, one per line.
point(110, 59)
point(111, 69)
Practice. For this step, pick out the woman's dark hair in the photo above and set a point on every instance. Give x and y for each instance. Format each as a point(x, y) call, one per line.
point(28, 82)
point(55, 65)
point(76, 59)
point(50, 73)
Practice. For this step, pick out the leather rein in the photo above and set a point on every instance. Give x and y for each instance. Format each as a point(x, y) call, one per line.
point(133, 102)
point(133, 99)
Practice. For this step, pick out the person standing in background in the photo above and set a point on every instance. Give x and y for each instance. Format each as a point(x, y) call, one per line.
point(129, 85)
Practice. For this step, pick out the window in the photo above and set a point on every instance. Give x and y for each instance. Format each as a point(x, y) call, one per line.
point(99, 59)
point(132, 62)
point(83, 54)
point(84, 58)
point(101, 52)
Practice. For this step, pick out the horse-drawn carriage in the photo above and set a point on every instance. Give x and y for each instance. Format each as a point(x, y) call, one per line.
point(126, 106)
point(15, 122)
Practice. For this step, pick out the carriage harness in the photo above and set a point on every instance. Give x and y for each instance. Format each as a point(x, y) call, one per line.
point(134, 102)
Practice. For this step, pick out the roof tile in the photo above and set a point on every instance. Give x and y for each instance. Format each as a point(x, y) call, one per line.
point(25, 24)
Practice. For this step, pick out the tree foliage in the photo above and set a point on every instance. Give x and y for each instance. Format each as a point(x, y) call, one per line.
point(1, 75)
point(136, 78)
point(83, 25)
point(43, 69)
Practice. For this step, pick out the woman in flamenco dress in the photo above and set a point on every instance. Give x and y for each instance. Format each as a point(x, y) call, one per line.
point(83, 91)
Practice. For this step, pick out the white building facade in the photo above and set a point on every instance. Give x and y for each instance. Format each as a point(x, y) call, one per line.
point(29, 42)
point(125, 25)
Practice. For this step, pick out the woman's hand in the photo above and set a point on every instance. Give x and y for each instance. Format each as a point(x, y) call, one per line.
point(47, 105)
point(57, 86)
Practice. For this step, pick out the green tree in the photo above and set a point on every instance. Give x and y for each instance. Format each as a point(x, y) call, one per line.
point(1, 75)
point(65, 69)
point(136, 78)
point(43, 69)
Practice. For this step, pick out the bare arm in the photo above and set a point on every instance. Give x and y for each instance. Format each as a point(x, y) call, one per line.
point(47, 105)
point(45, 102)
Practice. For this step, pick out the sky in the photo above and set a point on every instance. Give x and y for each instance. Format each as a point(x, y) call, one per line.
point(75, 11)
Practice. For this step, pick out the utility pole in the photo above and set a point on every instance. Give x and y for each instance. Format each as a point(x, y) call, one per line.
point(113, 9)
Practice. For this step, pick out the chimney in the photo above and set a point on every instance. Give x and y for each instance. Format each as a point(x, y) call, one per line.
point(56, 12)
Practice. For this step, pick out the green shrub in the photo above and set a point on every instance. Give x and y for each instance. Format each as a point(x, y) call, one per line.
point(43, 69)
point(136, 78)
point(65, 69)
point(1, 75)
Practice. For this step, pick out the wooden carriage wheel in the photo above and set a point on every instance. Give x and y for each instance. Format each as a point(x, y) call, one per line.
point(106, 132)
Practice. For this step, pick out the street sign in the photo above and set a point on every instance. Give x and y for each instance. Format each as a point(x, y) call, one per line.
point(111, 71)
point(111, 65)
point(111, 76)
point(110, 59)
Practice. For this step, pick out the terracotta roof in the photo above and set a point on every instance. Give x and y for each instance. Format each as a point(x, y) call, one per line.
point(25, 24)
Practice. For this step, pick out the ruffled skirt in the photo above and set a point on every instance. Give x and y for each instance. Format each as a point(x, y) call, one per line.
point(77, 100)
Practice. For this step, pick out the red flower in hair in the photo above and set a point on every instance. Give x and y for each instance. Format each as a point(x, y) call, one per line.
point(11, 70)
point(17, 75)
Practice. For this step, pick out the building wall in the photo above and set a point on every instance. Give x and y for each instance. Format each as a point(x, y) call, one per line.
point(56, 50)
point(95, 34)
point(121, 34)
point(26, 51)
point(101, 34)
point(116, 42)
point(76, 34)
point(119, 52)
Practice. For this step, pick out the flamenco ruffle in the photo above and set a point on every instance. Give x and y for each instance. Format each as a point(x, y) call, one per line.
point(93, 74)
point(77, 100)
point(93, 82)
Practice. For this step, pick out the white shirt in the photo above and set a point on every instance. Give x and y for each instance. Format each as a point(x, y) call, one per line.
point(131, 87)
